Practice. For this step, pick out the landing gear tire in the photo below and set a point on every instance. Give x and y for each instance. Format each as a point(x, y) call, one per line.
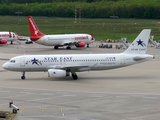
point(68, 48)
point(55, 47)
point(14, 111)
point(23, 76)
point(87, 45)
point(11, 42)
point(74, 76)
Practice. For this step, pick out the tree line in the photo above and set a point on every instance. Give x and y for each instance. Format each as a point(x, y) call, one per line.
point(89, 8)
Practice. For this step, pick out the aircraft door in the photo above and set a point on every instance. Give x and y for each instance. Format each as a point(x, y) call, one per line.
point(122, 57)
point(22, 62)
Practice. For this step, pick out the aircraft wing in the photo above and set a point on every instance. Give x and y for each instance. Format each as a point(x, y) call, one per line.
point(68, 43)
point(68, 67)
point(24, 37)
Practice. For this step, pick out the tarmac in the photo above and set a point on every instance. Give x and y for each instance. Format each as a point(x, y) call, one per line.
point(129, 93)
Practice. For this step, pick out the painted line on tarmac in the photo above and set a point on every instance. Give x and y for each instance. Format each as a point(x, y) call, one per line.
point(122, 97)
point(143, 117)
point(4, 91)
point(63, 103)
point(19, 95)
point(46, 94)
point(47, 116)
point(79, 101)
point(62, 92)
point(45, 98)
point(69, 95)
point(98, 96)
point(107, 93)
point(150, 97)
point(23, 46)
point(25, 92)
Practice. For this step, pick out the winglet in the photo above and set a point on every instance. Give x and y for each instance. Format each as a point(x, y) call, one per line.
point(35, 33)
point(139, 45)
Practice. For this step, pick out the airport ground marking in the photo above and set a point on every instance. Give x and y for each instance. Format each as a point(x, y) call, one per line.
point(23, 46)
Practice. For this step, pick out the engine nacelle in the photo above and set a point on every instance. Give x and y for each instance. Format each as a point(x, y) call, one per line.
point(3, 41)
point(57, 73)
point(80, 44)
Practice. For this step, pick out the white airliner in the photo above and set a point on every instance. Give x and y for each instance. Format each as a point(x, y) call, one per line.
point(79, 40)
point(8, 37)
point(62, 65)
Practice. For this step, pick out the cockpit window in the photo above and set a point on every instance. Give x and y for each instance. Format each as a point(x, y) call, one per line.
point(12, 61)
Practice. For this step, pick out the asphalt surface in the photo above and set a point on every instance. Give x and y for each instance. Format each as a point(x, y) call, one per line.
point(129, 93)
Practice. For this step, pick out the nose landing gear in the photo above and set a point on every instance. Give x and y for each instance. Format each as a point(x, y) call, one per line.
point(23, 76)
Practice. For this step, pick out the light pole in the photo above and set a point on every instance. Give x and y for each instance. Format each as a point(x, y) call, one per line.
point(18, 20)
point(113, 25)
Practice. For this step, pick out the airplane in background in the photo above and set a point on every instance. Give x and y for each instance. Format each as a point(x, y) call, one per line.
point(8, 37)
point(69, 40)
point(62, 65)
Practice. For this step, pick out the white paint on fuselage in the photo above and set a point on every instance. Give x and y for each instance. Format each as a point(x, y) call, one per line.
point(88, 62)
point(53, 40)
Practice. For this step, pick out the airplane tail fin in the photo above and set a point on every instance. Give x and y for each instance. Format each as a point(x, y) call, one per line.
point(16, 35)
point(139, 45)
point(35, 33)
point(92, 36)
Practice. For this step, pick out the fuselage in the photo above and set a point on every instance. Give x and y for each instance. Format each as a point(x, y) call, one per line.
point(64, 39)
point(78, 63)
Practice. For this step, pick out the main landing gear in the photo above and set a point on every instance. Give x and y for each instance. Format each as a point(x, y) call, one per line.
point(23, 76)
point(11, 42)
point(68, 47)
point(74, 76)
point(55, 47)
point(87, 45)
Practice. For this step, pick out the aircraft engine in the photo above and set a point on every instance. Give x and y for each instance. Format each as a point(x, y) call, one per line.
point(3, 41)
point(57, 73)
point(80, 44)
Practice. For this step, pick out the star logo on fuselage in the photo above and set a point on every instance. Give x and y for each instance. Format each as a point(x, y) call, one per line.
point(35, 61)
point(139, 42)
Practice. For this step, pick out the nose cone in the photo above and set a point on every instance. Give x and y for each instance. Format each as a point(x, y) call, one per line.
point(5, 66)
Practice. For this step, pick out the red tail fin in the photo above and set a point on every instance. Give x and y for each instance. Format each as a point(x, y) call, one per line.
point(35, 33)
point(16, 35)
point(92, 37)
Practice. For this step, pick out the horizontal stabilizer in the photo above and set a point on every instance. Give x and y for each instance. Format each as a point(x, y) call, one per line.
point(139, 58)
